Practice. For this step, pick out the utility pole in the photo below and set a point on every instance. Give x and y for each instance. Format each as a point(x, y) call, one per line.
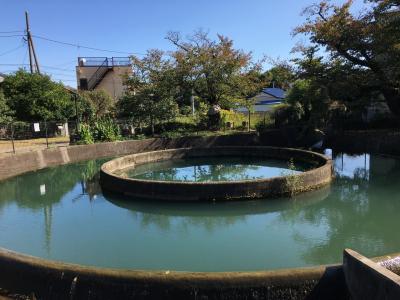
point(31, 47)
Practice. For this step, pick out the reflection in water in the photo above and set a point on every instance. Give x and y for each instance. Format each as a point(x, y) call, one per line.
point(360, 213)
point(209, 216)
point(61, 213)
point(212, 169)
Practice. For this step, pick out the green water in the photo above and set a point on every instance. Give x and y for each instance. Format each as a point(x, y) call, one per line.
point(213, 169)
point(61, 214)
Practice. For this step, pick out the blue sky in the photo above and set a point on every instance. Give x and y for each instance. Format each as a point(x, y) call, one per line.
point(261, 26)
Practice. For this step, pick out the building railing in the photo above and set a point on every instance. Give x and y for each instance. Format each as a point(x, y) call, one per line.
point(98, 75)
point(99, 61)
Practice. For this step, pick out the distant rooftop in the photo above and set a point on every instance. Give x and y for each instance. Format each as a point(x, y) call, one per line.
point(276, 92)
point(103, 61)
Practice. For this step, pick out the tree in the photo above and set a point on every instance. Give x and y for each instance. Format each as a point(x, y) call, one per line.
point(149, 97)
point(281, 75)
point(209, 68)
point(5, 112)
point(369, 41)
point(248, 85)
point(35, 97)
point(310, 100)
point(101, 103)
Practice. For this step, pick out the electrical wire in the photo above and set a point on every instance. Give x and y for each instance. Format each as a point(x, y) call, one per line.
point(84, 47)
point(48, 67)
point(12, 50)
point(11, 35)
point(13, 31)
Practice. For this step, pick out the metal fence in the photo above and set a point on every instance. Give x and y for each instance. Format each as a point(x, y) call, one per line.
point(27, 136)
point(22, 136)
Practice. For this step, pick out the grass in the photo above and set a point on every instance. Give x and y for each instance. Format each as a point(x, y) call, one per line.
point(32, 144)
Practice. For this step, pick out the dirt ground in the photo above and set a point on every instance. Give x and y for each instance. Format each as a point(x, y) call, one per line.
point(6, 147)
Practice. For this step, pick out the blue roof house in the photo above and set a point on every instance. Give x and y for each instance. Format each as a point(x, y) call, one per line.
point(265, 100)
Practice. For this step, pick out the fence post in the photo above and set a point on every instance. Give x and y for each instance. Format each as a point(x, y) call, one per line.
point(47, 140)
point(12, 137)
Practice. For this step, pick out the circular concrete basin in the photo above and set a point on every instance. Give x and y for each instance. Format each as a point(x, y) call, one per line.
point(320, 174)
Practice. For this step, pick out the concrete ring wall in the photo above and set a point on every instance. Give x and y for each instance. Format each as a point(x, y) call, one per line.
point(317, 177)
point(46, 279)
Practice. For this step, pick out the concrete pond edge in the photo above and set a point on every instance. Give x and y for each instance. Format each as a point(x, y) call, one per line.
point(47, 279)
point(319, 175)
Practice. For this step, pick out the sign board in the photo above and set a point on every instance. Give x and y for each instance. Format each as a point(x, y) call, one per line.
point(36, 127)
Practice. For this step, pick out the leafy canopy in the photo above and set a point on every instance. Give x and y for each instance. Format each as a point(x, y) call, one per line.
point(370, 40)
point(36, 97)
point(149, 97)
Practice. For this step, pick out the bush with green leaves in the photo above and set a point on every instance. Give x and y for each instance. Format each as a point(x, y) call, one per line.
point(293, 182)
point(106, 130)
point(35, 97)
point(85, 134)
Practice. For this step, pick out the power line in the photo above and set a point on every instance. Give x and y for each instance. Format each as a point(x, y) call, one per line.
point(13, 31)
point(84, 47)
point(12, 50)
point(48, 67)
point(11, 35)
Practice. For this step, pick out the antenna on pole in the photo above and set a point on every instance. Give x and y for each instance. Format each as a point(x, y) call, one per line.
point(33, 61)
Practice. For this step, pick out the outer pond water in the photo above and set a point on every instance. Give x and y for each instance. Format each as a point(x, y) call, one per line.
point(62, 214)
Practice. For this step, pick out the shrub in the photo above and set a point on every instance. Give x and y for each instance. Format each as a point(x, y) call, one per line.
point(106, 130)
point(293, 182)
point(85, 135)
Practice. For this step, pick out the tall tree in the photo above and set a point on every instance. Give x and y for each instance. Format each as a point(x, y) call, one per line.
point(281, 75)
point(209, 67)
point(148, 98)
point(36, 97)
point(369, 41)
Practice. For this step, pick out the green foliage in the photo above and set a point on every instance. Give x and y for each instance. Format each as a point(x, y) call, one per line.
point(105, 130)
point(293, 182)
point(5, 112)
point(85, 134)
point(102, 130)
point(149, 98)
point(280, 75)
point(266, 123)
point(35, 97)
point(100, 103)
point(367, 42)
point(211, 68)
point(309, 102)
point(288, 114)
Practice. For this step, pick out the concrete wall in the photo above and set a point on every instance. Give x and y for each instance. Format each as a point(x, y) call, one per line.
point(112, 83)
point(373, 141)
point(320, 175)
point(368, 280)
point(30, 161)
